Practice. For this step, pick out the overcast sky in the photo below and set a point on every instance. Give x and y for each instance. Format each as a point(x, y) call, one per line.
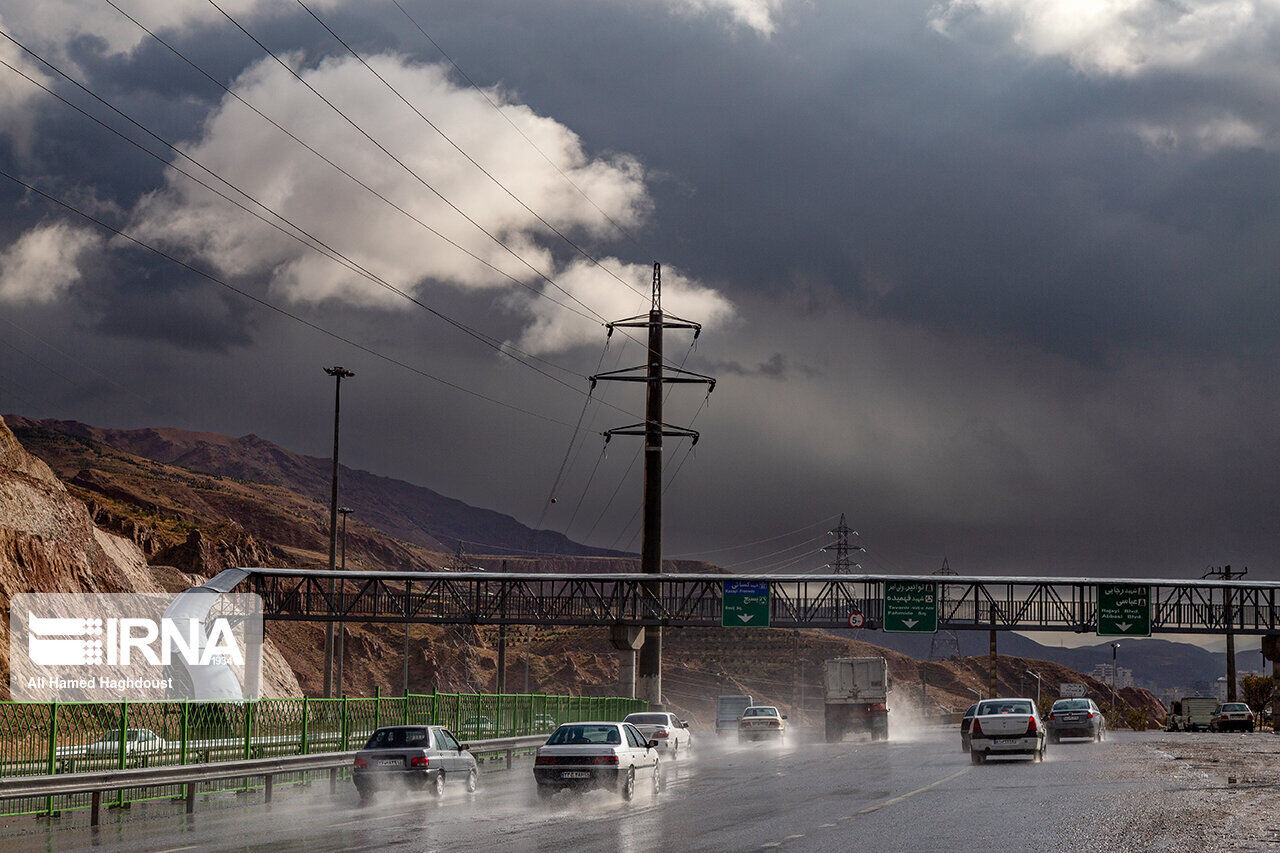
point(997, 278)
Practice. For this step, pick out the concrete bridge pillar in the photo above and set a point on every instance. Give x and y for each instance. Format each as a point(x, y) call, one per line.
point(627, 639)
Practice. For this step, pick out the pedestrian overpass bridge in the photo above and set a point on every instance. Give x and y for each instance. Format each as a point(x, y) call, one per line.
point(697, 600)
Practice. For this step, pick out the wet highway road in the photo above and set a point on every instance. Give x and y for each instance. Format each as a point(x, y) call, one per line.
point(918, 793)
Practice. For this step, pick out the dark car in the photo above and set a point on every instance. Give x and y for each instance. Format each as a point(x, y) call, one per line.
point(966, 724)
point(421, 757)
point(1075, 718)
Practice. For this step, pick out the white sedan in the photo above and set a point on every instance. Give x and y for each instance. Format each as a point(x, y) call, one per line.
point(1006, 727)
point(667, 730)
point(761, 721)
point(596, 755)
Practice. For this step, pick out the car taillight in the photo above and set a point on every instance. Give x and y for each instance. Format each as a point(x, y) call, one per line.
point(544, 759)
point(1051, 715)
point(605, 759)
point(662, 733)
point(879, 706)
point(1091, 715)
point(977, 727)
point(777, 724)
point(360, 763)
point(1031, 726)
point(420, 761)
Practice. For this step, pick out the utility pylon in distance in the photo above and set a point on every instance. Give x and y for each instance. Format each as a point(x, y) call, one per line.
point(653, 374)
point(941, 641)
point(842, 564)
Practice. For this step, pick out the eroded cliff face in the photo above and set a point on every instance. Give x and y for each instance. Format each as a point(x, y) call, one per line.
point(49, 543)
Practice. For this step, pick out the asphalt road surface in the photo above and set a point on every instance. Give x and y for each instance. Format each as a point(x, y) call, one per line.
point(917, 793)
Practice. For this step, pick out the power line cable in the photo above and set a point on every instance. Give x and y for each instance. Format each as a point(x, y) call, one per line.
point(585, 489)
point(40, 363)
point(331, 163)
point(617, 225)
point(272, 307)
point(77, 362)
point(318, 245)
point(572, 441)
point(463, 152)
point(776, 553)
point(823, 523)
point(409, 170)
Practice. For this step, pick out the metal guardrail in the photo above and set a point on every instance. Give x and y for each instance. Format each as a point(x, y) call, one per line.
point(190, 776)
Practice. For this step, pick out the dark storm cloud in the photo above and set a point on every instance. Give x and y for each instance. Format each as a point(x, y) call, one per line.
point(988, 304)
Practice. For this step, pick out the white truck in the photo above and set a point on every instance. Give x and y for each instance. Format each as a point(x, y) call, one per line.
point(857, 693)
point(1191, 714)
point(728, 711)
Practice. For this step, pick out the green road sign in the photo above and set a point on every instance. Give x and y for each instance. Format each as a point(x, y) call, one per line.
point(1124, 610)
point(746, 604)
point(911, 607)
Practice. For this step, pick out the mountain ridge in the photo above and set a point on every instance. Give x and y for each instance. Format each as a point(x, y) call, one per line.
point(410, 512)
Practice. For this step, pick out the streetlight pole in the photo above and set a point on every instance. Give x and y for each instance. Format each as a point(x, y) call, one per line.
point(1038, 680)
point(1115, 647)
point(343, 511)
point(338, 373)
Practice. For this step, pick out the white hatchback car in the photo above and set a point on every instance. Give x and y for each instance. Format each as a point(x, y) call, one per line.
point(667, 730)
point(1006, 727)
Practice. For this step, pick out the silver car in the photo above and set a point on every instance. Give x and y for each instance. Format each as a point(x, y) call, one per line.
point(421, 757)
point(596, 754)
point(1076, 718)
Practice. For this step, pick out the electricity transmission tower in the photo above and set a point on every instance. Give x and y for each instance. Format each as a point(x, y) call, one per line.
point(943, 642)
point(1228, 599)
point(655, 376)
point(842, 564)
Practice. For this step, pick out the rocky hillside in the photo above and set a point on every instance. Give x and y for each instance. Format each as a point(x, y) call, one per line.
point(410, 513)
point(49, 543)
point(172, 508)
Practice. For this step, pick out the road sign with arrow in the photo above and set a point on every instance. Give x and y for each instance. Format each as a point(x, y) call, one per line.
point(1124, 610)
point(745, 604)
point(911, 607)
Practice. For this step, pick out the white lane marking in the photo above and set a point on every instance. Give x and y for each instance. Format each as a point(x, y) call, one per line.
point(793, 837)
point(902, 797)
point(176, 849)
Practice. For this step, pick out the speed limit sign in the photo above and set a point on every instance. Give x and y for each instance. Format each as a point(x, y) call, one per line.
point(855, 619)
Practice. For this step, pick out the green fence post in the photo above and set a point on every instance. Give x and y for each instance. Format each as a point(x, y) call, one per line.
point(306, 707)
point(122, 745)
point(345, 723)
point(404, 713)
point(435, 708)
point(53, 738)
point(184, 723)
point(502, 728)
point(248, 730)
point(53, 751)
point(377, 706)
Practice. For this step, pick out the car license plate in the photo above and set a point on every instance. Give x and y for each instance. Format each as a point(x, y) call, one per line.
point(575, 774)
point(1006, 741)
point(390, 762)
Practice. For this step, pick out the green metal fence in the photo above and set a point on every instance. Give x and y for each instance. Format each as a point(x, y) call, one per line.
point(48, 738)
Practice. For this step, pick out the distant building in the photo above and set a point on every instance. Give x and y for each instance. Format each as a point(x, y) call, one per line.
point(1221, 686)
point(1124, 675)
